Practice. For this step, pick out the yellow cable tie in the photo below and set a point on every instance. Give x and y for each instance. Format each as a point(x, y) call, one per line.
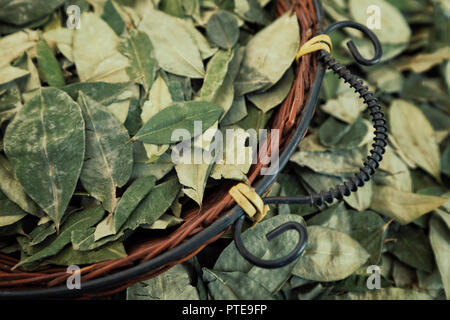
point(321, 42)
point(250, 201)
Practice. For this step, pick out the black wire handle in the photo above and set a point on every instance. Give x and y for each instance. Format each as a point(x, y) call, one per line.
point(352, 185)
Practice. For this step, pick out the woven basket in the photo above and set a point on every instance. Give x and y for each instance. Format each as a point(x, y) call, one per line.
point(286, 118)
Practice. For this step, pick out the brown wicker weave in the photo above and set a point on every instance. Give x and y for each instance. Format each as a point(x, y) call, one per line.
point(215, 205)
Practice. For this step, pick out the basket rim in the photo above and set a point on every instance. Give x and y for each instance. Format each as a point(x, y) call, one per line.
point(121, 277)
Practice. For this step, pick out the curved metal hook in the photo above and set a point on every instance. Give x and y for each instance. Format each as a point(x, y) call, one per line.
point(351, 45)
point(276, 263)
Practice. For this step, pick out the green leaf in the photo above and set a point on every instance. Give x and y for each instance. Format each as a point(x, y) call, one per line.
point(45, 144)
point(394, 172)
point(222, 28)
point(154, 205)
point(138, 48)
point(424, 61)
point(412, 248)
point(69, 256)
point(131, 199)
point(174, 284)
point(337, 163)
point(174, 48)
point(271, 98)
point(63, 39)
point(117, 97)
point(415, 136)
point(12, 188)
point(159, 168)
point(251, 11)
point(23, 12)
point(216, 73)
point(76, 221)
point(447, 75)
point(113, 18)
point(194, 177)
point(440, 242)
point(236, 113)
point(48, 65)
point(181, 115)
point(335, 134)
point(10, 73)
point(446, 161)
point(255, 119)
point(366, 227)
point(290, 186)
point(10, 213)
point(42, 232)
point(96, 57)
point(256, 242)
point(234, 286)
point(109, 160)
point(268, 55)
point(160, 98)
point(329, 256)
point(206, 51)
point(172, 7)
point(149, 210)
point(403, 207)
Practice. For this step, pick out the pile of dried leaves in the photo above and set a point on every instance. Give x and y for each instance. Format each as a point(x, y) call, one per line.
point(400, 222)
point(87, 110)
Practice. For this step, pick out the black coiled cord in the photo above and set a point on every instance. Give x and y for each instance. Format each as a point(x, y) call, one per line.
point(376, 154)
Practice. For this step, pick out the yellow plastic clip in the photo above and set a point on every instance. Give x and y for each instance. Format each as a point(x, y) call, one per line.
point(321, 42)
point(250, 201)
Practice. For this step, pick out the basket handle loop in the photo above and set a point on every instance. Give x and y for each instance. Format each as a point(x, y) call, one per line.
point(351, 45)
point(276, 263)
point(255, 208)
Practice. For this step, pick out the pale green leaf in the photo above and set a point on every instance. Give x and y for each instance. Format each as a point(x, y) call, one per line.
point(440, 242)
point(160, 98)
point(10, 213)
point(10, 73)
point(366, 227)
point(95, 51)
point(415, 136)
point(174, 48)
point(234, 286)
point(404, 207)
point(268, 55)
point(256, 242)
point(329, 256)
point(271, 98)
point(12, 188)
